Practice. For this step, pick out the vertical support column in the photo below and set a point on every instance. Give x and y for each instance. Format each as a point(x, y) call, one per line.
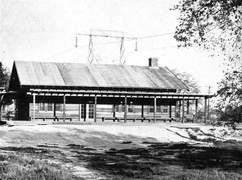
point(142, 111)
point(95, 108)
point(34, 101)
point(125, 109)
point(114, 110)
point(196, 108)
point(179, 109)
point(1, 104)
point(79, 112)
point(170, 111)
point(205, 109)
point(85, 112)
point(183, 109)
point(54, 111)
point(64, 108)
point(154, 109)
point(188, 106)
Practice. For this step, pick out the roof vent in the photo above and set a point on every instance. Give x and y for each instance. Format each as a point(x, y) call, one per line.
point(153, 62)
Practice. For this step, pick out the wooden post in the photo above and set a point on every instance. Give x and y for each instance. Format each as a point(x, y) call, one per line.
point(85, 112)
point(95, 109)
point(125, 109)
point(205, 109)
point(54, 112)
point(1, 100)
point(79, 112)
point(142, 110)
point(64, 108)
point(154, 109)
point(196, 108)
point(179, 109)
point(170, 109)
point(188, 105)
point(34, 101)
point(114, 110)
point(183, 109)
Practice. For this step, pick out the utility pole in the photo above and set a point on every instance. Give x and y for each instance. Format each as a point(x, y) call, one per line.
point(106, 34)
point(209, 91)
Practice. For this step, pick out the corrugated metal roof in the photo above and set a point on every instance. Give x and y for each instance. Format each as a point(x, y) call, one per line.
point(95, 75)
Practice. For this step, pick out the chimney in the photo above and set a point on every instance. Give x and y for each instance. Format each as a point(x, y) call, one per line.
point(153, 62)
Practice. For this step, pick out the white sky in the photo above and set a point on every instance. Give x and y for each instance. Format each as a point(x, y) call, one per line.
point(45, 30)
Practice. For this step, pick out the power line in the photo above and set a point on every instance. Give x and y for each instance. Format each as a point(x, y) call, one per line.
point(114, 42)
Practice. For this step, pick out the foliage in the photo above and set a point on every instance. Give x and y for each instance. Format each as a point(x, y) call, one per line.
point(23, 167)
point(216, 25)
point(4, 76)
point(188, 80)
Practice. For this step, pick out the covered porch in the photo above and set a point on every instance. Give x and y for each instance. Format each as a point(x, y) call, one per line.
point(178, 101)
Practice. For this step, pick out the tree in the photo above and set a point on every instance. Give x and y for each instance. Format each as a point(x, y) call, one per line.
point(188, 80)
point(192, 85)
point(216, 25)
point(4, 76)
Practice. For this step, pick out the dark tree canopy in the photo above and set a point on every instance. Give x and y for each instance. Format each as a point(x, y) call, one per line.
point(4, 76)
point(216, 25)
point(209, 22)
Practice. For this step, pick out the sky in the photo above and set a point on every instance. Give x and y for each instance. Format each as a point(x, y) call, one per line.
point(46, 31)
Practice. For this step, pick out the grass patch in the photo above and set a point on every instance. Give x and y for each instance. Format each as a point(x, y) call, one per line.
point(23, 167)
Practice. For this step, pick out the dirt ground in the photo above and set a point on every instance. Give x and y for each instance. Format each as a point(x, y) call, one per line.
point(64, 143)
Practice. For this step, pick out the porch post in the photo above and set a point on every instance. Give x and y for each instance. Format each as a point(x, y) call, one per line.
point(54, 113)
point(64, 108)
point(85, 112)
point(34, 101)
point(95, 108)
point(154, 109)
point(114, 110)
point(142, 110)
point(79, 112)
point(205, 109)
point(170, 109)
point(179, 109)
point(183, 104)
point(196, 106)
point(188, 105)
point(125, 109)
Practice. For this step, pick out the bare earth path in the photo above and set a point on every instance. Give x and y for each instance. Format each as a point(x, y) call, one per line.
point(69, 144)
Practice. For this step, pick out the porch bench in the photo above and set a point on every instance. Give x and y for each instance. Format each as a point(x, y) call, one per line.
point(53, 118)
point(171, 119)
point(110, 118)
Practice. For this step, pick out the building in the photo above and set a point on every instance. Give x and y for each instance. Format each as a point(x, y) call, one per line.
point(81, 92)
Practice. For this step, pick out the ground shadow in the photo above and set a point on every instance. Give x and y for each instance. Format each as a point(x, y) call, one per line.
point(164, 159)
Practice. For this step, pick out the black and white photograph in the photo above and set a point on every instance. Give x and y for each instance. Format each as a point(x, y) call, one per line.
point(120, 89)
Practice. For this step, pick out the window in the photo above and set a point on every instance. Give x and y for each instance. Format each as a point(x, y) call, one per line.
point(49, 107)
point(131, 108)
point(151, 109)
point(158, 109)
point(91, 111)
point(165, 109)
point(42, 106)
point(58, 107)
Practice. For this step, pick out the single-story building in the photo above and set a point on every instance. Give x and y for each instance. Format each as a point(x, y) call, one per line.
point(95, 92)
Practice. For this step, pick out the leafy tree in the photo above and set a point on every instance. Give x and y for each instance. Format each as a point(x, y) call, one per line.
point(216, 25)
point(192, 85)
point(188, 80)
point(4, 76)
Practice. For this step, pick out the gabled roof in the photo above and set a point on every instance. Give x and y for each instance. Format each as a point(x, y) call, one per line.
point(93, 75)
